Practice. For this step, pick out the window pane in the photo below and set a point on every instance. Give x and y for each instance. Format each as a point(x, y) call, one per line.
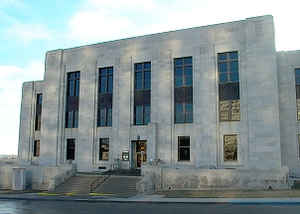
point(77, 88)
point(138, 80)
point(234, 66)
point(103, 71)
point(139, 66)
point(178, 62)
point(297, 76)
point(71, 87)
point(103, 117)
point(109, 116)
point(184, 141)
point(110, 71)
point(222, 67)
point(110, 84)
point(75, 119)
point(179, 115)
point(188, 80)
point(189, 112)
point(222, 56)
point(147, 83)
point(69, 119)
point(147, 66)
point(103, 82)
point(139, 115)
point(234, 77)
point(230, 147)
point(223, 77)
point(104, 149)
point(188, 60)
point(178, 77)
point(70, 149)
point(147, 114)
point(233, 55)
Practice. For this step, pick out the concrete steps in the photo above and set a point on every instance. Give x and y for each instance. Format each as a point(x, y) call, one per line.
point(79, 184)
point(124, 186)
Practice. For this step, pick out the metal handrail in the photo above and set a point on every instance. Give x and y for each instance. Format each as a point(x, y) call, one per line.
point(97, 182)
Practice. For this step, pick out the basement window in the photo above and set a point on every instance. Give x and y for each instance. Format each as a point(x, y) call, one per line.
point(104, 149)
point(36, 148)
point(70, 149)
point(230, 148)
point(184, 148)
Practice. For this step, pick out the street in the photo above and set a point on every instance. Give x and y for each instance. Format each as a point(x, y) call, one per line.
point(74, 207)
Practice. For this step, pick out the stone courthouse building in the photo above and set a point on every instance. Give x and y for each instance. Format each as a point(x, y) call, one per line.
point(212, 106)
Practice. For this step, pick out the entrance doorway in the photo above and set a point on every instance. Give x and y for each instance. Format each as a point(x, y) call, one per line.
point(139, 148)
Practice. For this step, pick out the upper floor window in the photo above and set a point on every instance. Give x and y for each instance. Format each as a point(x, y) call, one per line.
point(183, 72)
point(142, 93)
point(106, 80)
point(73, 84)
point(105, 88)
point(142, 72)
point(38, 112)
point(228, 67)
point(72, 107)
point(183, 92)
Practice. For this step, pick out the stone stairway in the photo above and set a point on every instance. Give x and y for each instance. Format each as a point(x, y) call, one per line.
point(79, 184)
point(120, 186)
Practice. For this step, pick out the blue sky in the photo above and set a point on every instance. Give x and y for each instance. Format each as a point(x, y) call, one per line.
point(29, 28)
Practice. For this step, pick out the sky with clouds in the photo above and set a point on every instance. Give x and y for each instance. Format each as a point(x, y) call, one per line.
point(29, 28)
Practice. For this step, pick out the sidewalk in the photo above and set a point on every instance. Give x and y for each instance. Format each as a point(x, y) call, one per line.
point(205, 197)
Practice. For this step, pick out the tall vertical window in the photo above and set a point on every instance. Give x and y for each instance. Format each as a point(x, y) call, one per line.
point(184, 148)
point(230, 148)
point(142, 93)
point(298, 144)
point(38, 112)
point(183, 93)
point(297, 83)
point(105, 93)
point(72, 107)
point(104, 149)
point(229, 94)
point(36, 148)
point(70, 149)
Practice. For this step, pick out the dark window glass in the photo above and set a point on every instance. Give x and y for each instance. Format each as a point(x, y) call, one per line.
point(297, 76)
point(72, 107)
point(183, 148)
point(183, 72)
point(36, 148)
point(70, 149)
point(228, 70)
point(228, 67)
point(38, 112)
point(142, 87)
point(138, 80)
point(183, 93)
point(104, 149)
point(230, 148)
point(105, 87)
point(139, 115)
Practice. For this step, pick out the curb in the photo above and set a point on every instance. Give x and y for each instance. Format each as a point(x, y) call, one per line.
point(234, 201)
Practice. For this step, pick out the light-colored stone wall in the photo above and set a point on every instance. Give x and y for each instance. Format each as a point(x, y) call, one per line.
point(289, 125)
point(258, 131)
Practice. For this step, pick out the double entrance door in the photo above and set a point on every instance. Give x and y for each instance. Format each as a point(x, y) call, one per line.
point(139, 148)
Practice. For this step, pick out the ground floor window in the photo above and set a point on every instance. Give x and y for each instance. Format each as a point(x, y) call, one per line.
point(183, 148)
point(36, 148)
point(104, 149)
point(70, 149)
point(230, 148)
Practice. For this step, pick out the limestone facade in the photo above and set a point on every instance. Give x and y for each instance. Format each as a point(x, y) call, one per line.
point(266, 132)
